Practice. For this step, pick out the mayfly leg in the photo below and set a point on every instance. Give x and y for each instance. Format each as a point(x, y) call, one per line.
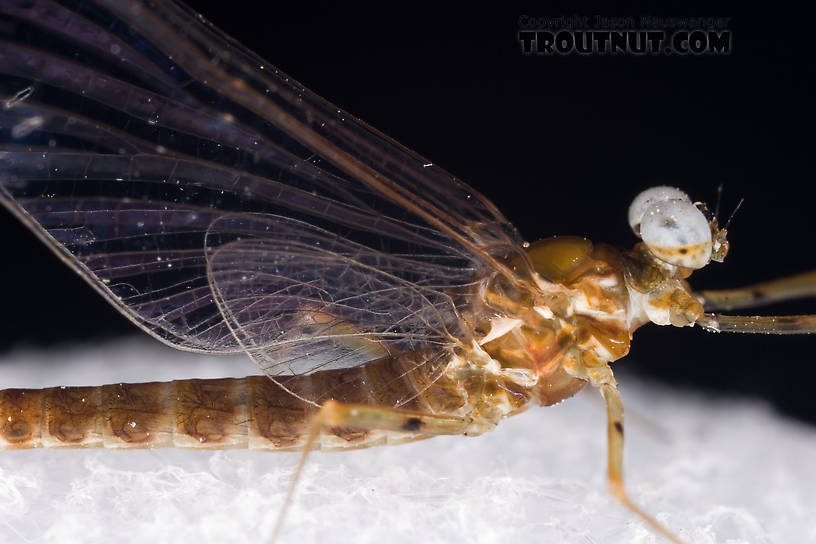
point(789, 288)
point(614, 416)
point(338, 415)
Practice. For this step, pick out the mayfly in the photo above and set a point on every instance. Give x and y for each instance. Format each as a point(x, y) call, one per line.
point(224, 208)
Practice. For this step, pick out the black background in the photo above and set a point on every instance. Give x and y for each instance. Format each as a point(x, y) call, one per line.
point(561, 144)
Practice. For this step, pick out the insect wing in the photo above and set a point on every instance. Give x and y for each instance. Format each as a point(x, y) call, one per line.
point(137, 140)
point(302, 300)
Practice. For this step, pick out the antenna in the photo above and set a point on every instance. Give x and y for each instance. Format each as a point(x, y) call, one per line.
point(730, 217)
point(719, 199)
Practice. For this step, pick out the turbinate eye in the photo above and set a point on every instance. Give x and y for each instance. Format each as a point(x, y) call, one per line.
point(677, 232)
point(641, 203)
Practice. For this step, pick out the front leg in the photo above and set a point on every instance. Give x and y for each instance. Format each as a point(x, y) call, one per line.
point(794, 287)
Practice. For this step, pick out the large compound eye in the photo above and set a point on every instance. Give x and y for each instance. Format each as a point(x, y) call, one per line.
point(677, 232)
point(641, 203)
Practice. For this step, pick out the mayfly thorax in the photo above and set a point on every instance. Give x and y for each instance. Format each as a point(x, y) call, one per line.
point(383, 299)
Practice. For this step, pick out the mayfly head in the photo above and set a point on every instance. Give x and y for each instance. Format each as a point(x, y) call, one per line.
point(676, 230)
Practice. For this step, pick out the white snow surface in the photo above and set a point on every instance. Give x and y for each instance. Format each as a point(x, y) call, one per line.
point(713, 470)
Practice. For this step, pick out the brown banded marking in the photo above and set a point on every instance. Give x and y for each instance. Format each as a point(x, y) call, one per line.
point(20, 418)
point(138, 415)
point(211, 413)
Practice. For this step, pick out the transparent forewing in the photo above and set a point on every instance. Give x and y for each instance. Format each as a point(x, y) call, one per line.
point(373, 160)
point(130, 130)
point(301, 300)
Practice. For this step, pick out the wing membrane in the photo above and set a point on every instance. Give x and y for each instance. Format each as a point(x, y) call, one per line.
point(301, 300)
point(167, 164)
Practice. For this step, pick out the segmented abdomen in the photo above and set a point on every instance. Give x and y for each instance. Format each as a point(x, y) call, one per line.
point(251, 412)
point(183, 413)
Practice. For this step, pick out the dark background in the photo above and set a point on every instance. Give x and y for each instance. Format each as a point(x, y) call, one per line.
point(561, 144)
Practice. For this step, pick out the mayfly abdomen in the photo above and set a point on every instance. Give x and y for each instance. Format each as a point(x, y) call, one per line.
point(182, 413)
point(252, 412)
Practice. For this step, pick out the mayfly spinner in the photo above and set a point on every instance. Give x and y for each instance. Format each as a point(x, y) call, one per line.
point(224, 208)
